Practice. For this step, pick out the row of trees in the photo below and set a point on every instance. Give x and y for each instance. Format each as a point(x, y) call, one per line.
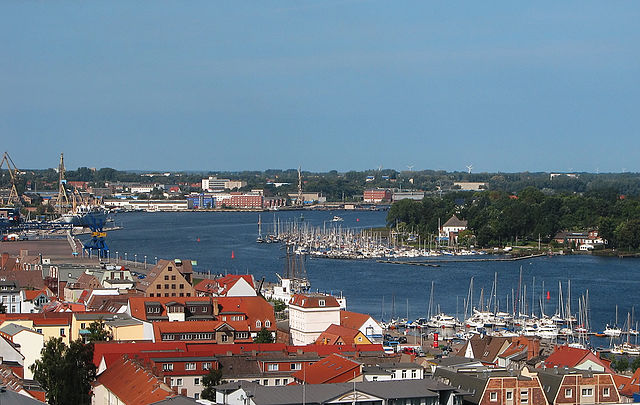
point(496, 217)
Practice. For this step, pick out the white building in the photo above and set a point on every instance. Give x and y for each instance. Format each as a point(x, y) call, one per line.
point(310, 315)
point(449, 231)
point(30, 344)
point(10, 295)
point(214, 183)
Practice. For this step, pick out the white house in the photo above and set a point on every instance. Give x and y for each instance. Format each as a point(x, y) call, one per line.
point(28, 341)
point(310, 315)
point(449, 231)
point(362, 322)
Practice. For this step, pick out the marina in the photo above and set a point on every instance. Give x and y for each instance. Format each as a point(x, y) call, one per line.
point(369, 285)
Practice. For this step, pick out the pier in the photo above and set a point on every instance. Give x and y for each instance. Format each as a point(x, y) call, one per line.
point(437, 263)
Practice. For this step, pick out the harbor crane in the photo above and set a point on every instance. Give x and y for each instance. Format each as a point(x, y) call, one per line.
point(13, 198)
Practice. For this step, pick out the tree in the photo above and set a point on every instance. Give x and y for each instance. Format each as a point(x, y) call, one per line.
point(209, 381)
point(65, 372)
point(264, 336)
point(97, 332)
point(3, 308)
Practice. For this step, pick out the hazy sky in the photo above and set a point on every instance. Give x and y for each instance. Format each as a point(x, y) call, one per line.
point(345, 85)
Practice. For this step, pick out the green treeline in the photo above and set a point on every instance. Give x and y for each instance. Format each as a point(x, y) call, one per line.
point(496, 217)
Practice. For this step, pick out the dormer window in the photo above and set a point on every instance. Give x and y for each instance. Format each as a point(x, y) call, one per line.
point(267, 323)
point(258, 324)
point(321, 303)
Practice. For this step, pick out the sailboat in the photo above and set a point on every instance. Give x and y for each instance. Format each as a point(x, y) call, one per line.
point(259, 239)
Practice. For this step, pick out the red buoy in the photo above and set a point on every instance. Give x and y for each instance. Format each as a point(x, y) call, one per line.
point(198, 240)
point(548, 295)
point(232, 255)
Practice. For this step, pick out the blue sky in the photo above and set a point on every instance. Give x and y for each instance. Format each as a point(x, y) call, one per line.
point(345, 85)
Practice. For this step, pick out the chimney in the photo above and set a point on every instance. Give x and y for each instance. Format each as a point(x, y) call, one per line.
point(216, 311)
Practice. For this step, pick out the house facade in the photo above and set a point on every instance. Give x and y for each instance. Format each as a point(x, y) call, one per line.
point(310, 315)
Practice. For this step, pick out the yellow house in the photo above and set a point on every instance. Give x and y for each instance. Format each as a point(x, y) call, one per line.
point(121, 326)
point(340, 335)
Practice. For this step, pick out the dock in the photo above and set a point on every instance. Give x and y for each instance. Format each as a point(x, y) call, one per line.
point(437, 263)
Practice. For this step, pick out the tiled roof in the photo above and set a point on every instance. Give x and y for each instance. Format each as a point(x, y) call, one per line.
point(31, 295)
point(222, 285)
point(132, 383)
point(184, 327)
point(353, 320)
point(335, 334)
point(137, 304)
point(332, 369)
point(101, 349)
point(314, 301)
point(631, 386)
point(571, 357)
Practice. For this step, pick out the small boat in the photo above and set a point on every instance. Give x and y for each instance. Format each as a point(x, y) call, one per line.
point(612, 332)
point(337, 219)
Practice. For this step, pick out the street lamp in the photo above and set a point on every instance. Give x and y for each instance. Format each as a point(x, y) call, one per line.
point(125, 257)
point(145, 262)
point(135, 258)
point(117, 257)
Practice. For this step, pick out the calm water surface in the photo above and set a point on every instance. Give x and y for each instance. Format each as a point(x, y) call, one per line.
point(367, 284)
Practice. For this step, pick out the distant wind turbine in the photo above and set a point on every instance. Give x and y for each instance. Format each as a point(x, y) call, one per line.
point(410, 167)
point(469, 168)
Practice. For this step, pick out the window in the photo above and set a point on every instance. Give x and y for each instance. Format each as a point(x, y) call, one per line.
point(173, 286)
point(258, 324)
point(39, 330)
point(166, 277)
point(493, 396)
point(404, 374)
point(166, 286)
point(568, 393)
point(193, 309)
point(206, 365)
point(61, 331)
point(524, 397)
point(296, 366)
point(159, 286)
point(509, 395)
point(265, 382)
point(242, 335)
point(375, 378)
point(196, 381)
point(605, 392)
point(190, 366)
point(587, 392)
point(277, 381)
point(173, 277)
point(196, 396)
point(321, 303)
point(267, 323)
point(167, 366)
point(170, 268)
point(168, 336)
point(224, 338)
point(181, 286)
point(414, 373)
point(272, 367)
point(285, 381)
point(178, 382)
point(83, 325)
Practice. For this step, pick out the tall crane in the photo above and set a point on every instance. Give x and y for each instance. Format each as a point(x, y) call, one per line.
point(300, 199)
point(14, 198)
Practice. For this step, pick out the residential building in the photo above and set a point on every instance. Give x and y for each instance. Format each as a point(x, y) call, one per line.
point(169, 278)
point(310, 315)
point(576, 387)
point(128, 381)
point(27, 341)
point(340, 335)
point(392, 371)
point(450, 229)
point(581, 359)
point(362, 322)
point(332, 369)
point(425, 392)
point(484, 348)
point(490, 387)
point(230, 285)
point(10, 296)
point(34, 300)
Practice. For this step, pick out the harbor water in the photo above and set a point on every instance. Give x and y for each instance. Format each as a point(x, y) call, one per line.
point(225, 242)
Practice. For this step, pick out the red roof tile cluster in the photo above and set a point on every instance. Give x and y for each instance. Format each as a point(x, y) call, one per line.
point(43, 318)
point(571, 357)
point(336, 334)
point(132, 383)
point(314, 301)
point(332, 369)
point(353, 320)
point(31, 295)
point(628, 386)
point(222, 285)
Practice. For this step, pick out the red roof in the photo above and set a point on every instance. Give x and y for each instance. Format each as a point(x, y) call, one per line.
point(332, 369)
point(222, 285)
point(101, 349)
point(336, 334)
point(630, 386)
point(314, 301)
point(42, 318)
point(31, 295)
point(132, 383)
point(572, 357)
point(353, 320)
point(137, 304)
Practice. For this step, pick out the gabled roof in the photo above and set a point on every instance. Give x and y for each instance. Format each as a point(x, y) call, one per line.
point(572, 357)
point(631, 386)
point(336, 334)
point(30, 295)
point(454, 221)
point(314, 301)
point(137, 305)
point(222, 285)
point(353, 320)
point(11, 329)
point(485, 348)
point(332, 369)
point(132, 383)
point(183, 267)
